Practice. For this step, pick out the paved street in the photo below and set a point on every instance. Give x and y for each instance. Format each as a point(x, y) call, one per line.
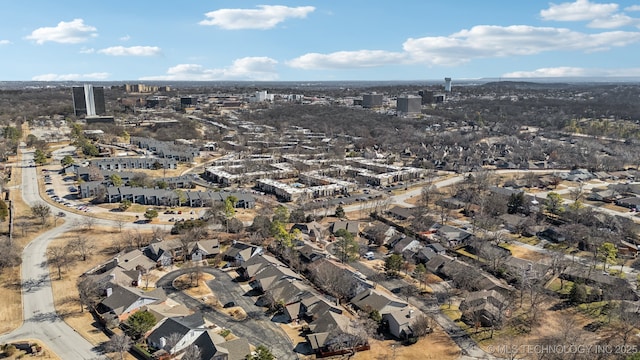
point(40, 319)
point(258, 329)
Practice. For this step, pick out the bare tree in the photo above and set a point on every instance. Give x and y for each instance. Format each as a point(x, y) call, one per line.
point(421, 326)
point(82, 246)
point(120, 224)
point(10, 254)
point(42, 211)
point(59, 257)
point(172, 340)
point(333, 280)
point(354, 336)
point(119, 343)
point(495, 256)
point(88, 222)
point(89, 292)
point(192, 352)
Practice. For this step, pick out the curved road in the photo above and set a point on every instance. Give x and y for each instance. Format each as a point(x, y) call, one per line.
point(39, 315)
point(40, 320)
point(257, 328)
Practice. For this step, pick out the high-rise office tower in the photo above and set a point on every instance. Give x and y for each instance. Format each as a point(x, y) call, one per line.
point(88, 100)
point(372, 100)
point(409, 104)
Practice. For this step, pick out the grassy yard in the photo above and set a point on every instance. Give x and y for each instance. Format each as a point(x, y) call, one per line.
point(65, 291)
point(26, 229)
point(435, 346)
point(561, 287)
point(451, 311)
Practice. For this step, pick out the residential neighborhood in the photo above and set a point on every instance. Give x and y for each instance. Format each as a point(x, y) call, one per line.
point(215, 226)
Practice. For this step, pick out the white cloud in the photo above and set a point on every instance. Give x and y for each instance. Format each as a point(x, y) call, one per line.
point(613, 21)
point(131, 51)
point(71, 77)
point(87, 51)
point(265, 17)
point(248, 68)
point(72, 32)
point(125, 38)
point(580, 10)
point(483, 41)
point(566, 71)
point(347, 59)
point(486, 41)
point(601, 16)
point(5, 42)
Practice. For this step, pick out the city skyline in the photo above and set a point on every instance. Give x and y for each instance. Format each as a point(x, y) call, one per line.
point(317, 40)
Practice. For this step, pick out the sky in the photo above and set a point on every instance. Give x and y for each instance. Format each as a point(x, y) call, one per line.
point(323, 40)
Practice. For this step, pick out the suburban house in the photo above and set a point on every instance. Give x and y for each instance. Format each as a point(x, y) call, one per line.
point(352, 227)
point(609, 195)
point(240, 252)
point(321, 328)
point(401, 213)
point(214, 347)
point(309, 254)
point(176, 333)
point(613, 286)
point(162, 252)
point(487, 307)
point(135, 260)
point(552, 234)
point(310, 308)
point(268, 276)
point(465, 275)
point(424, 255)
point(629, 202)
point(399, 321)
point(204, 249)
point(450, 235)
point(371, 299)
point(122, 301)
point(313, 230)
point(406, 244)
point(379, 233)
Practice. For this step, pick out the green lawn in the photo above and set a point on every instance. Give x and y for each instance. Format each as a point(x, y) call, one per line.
point(555, 286)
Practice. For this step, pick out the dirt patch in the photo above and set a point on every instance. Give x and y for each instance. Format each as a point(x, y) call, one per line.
point(526, 254)
point(615, 207)
point(11, 300)
point(437, 346)
point(236, 312)
point(194, 286)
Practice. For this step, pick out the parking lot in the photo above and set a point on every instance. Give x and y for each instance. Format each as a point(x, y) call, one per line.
point(62, 188)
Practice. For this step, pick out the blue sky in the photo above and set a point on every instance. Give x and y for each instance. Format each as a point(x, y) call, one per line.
point(328, 40)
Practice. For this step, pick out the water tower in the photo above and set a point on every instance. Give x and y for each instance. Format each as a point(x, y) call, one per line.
point(447, 84)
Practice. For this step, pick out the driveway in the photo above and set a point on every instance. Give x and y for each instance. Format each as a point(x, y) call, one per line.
point(257, 328)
